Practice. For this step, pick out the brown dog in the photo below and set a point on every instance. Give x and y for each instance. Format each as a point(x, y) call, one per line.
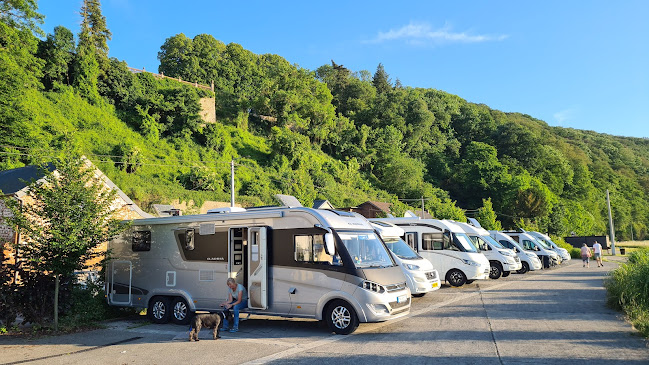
point(212, 320)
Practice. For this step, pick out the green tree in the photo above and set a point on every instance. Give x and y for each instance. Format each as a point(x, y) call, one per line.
point(487, 216)
point(70, 215)
point(58, 52)
point(381, 80)
point(95, 23)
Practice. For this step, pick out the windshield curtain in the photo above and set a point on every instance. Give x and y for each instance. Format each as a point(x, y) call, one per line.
point(400, 248)
point(366, 249)
point(463, 242)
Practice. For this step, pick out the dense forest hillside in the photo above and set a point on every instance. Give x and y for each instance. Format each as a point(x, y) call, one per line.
point(332, 133)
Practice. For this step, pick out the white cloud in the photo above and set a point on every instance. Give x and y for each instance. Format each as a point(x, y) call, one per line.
point(567, 115)
point(422, 34)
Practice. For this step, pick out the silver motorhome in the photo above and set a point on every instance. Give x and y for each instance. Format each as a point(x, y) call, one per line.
point(294, 262)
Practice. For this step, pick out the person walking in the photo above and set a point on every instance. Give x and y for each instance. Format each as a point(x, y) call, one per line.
point(585, 255)
point(597, 251)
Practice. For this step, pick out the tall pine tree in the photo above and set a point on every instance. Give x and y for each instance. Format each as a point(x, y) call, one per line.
point(92, 51)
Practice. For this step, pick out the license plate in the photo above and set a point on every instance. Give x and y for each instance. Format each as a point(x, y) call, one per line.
point(402, 299)
point(435, 284)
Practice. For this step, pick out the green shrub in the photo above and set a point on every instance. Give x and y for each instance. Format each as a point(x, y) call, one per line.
point(628, 289)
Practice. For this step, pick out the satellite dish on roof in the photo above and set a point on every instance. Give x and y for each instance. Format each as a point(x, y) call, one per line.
point(288, 200)
point(410, 214)
point(474, 222)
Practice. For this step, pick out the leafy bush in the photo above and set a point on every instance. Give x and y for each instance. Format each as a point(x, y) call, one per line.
point(628, 289)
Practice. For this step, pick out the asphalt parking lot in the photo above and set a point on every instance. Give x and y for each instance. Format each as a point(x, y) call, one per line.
point(550, 317)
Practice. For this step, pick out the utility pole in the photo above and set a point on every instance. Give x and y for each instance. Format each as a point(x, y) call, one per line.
point(610, 224)
point(232, 183)
point(422, 207)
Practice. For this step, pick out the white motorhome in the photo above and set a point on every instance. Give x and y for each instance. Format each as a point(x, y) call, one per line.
point(547, 256)
point(565, 255)
point(294, 262)
point(502, 260)
point(446, 246)
point(529, 260)
point(420, 275)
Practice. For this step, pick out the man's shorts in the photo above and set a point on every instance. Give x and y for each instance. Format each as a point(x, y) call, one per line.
point(597, 255)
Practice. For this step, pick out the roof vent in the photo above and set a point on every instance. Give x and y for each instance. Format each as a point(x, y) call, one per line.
point(226, 210)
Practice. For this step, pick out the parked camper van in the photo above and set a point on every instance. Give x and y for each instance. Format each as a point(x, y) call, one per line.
point(446, 246)
point(420, 275)
point(547, 256)
point(294, 262)
point(529, 260)
point(565, 255)
point(502, 260)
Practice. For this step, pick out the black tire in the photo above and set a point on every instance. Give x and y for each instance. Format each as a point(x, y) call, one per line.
point(506, 273)
point(159, 310)
point(418, 295)
point(456, 277)
point(525, 268)
point(180, 312)
point(341, 317)
point(496, 270)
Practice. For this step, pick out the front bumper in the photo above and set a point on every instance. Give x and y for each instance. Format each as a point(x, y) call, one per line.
point(379, 307)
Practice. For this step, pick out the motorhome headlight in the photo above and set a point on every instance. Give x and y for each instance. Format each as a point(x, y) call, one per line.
point(472, 263)
point(372, 286)
point(378, 308)
point(412, 267)
point(506, 253)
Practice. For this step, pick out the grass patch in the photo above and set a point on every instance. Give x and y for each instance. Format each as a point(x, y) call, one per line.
point(628, 289)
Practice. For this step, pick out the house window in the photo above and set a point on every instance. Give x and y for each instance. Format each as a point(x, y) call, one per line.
point(141, 241)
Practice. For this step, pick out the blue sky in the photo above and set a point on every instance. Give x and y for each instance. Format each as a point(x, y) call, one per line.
point(577, 64)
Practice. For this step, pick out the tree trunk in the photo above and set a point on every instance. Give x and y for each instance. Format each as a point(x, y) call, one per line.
point(56, 303)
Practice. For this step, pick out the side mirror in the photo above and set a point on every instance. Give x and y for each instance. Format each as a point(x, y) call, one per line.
point(330, 246)
point(189, 239)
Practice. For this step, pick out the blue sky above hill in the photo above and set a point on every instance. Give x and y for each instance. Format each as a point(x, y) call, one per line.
point(573, 64)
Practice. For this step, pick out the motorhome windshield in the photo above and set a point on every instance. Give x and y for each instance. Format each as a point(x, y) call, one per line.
point(464, 242)
point(400, 248)
point(492, 241)
point(546, 242)
point(543, 244)
point(481, 242)
point(366, 249)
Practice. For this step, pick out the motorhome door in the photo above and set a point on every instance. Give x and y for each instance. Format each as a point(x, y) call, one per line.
point(120, 282)
point(257, 268)
point(411, 240)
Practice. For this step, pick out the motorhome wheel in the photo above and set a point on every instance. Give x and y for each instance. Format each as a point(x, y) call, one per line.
point(456, 277)
point(181, 313)
point(341, 317)
point(418, 295)
point(525, 268)
point(159, 310)
point(496, 271)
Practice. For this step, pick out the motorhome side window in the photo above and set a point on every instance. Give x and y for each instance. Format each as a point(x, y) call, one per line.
point(141, 241)
point(310, 248)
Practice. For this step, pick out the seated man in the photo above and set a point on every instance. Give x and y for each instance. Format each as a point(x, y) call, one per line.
point(237, 300)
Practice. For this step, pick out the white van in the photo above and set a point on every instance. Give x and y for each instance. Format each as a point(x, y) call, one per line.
point(565, 255)
point(446, 246)
point(529, 260)
point(503, 260)
point(547, 255)
point(420, 275)
point(294, 262)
